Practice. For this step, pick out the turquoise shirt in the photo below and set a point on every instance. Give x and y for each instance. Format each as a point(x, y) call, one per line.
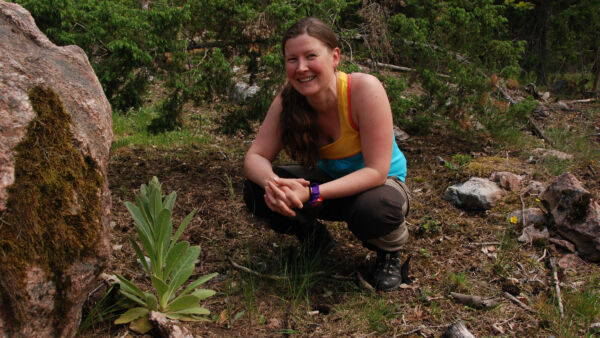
point(341, 167)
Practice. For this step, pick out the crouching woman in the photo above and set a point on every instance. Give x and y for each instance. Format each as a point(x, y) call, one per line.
point(339, 128)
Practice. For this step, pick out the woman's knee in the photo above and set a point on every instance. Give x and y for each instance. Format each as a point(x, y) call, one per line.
point(377, 212)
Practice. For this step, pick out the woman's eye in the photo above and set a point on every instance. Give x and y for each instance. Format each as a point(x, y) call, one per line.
point(312, 56)
point(291, 59)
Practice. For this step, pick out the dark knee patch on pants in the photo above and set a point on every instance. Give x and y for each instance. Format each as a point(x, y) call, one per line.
point(376, 212)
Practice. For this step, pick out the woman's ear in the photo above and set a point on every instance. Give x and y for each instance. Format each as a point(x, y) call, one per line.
point(336, 57)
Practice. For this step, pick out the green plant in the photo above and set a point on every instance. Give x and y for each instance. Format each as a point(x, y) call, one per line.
point(380, 313)
point(171, 263)
point(429, 226)
point(459, 281)
point(458, 162)
point(103, 310)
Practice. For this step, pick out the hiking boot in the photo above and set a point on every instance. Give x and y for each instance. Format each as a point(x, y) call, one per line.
point(316, 240)
point(388, 271)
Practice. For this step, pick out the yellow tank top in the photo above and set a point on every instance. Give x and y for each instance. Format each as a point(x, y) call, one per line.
point(349, 142)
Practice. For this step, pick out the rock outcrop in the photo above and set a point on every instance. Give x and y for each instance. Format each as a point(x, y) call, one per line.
point(475, 194)
point(55, 134)
point(575, 214)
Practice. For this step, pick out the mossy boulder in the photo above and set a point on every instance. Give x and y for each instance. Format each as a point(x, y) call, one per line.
point(55, 134)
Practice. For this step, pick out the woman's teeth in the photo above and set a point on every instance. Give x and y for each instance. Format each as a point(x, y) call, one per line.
point(306, 79)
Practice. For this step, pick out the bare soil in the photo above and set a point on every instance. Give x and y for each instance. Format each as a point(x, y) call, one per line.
point(452, 250)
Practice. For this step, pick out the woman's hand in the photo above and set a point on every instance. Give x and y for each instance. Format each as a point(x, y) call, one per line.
point(282, 195)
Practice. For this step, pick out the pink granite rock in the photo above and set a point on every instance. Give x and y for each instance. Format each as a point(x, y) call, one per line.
point(507, 180)
point(41, 296)
point(575, 214)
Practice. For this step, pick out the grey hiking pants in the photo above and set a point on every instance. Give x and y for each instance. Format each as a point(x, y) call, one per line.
point(376, 216)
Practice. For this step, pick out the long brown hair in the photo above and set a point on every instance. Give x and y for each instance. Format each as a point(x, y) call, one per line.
point(298, 118)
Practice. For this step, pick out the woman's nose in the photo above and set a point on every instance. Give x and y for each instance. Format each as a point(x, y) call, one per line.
point(302, 65)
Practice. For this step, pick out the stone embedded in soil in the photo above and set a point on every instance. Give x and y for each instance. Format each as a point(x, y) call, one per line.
point(40, 296)
point(575, 214)
point(507, 180)
point(534, 188)
point(545, 153)
point(531, 234)
point(475, 194)
point(533, 216)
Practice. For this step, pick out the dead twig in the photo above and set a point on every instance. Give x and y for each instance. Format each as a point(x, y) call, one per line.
point(519, 303)
point(420, 328)
point(474, 301)
point(557, 286)
point(255, 273)
point(498, 326)
point(522, 211)
point(581, 101)
point(543, 256)
point(483, 243)
point(539, 133)
point(362, 282)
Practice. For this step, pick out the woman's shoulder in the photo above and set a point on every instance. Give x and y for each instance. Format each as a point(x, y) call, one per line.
point(363, 82)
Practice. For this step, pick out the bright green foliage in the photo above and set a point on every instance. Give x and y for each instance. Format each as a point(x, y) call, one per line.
point(171, 263)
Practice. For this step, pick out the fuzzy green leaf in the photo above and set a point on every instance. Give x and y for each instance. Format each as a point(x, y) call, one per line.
point(141, 325)
point(195, 310)
point(170, 201)
point(133, 297)
point(128, 286)
point(183, 302)
point(142, 225)
point(161, 289)
point(131, 315)
point(198, 282)
point(184, 269)
point(155, 203)
point(163, 235)
point(183, 225)
point(151, 301)
point(203, 293)
point(140, 255)
point(174, 256)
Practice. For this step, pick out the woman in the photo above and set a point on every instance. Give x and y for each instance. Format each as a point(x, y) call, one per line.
point(339, 127)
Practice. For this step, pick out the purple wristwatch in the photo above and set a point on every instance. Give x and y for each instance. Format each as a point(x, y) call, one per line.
point(315, 195)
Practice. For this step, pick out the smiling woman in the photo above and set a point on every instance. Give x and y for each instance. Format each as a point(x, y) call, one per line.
point(339, 127)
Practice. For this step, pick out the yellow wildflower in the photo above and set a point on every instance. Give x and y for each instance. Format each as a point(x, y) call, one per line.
point(514, 220)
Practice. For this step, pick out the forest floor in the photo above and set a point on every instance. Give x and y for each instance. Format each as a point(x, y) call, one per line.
point(452, 250)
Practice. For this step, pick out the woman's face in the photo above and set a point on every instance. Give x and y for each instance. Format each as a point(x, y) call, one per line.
point(310, 64)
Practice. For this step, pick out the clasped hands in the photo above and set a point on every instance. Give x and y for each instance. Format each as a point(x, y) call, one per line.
point(282, 195)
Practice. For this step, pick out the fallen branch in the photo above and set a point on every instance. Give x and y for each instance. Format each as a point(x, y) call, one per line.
point(399, 68)
point(519, 303)
point(581, 101)
point(255, 273)
point(483, 243)
point(420, 328)
point(505, 95)
point(474, 301)
point(362, 282)
point(557, 286)
point(538, 132)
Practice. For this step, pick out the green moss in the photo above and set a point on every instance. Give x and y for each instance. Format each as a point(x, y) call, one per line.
point(53, 214)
